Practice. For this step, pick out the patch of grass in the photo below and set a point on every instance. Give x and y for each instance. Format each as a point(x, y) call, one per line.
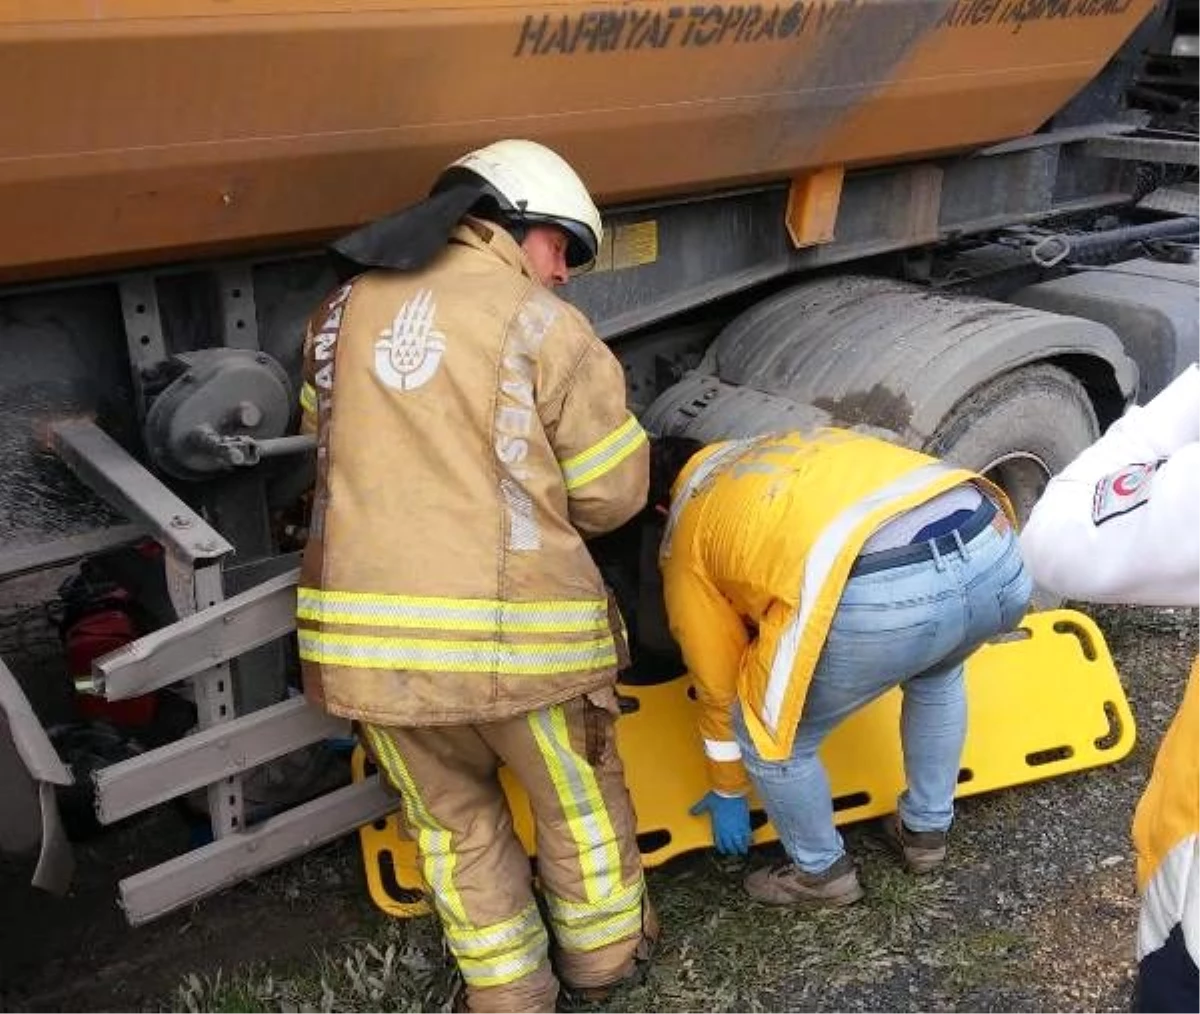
point(720, 951)
point(402, 968)
point(984, 958)
point(248, 989)
point(899, 906)
point(714, 947)
point(330, 868)
point(989, 808)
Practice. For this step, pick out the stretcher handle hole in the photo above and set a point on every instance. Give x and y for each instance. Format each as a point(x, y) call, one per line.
point(965, 775)
point(650, 842)
point(758, 818)
point(628, 705)
point(850, 801)
point(1081, 634)
point(1049, 756)
point(391, 883)
point(1116, 728)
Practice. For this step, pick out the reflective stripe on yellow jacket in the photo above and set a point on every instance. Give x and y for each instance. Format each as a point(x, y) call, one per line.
point(1165, 834)
point(471, 429)
point(759, 544)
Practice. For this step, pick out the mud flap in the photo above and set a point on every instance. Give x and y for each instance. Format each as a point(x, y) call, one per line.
point(30, 770)
point(1045, 702)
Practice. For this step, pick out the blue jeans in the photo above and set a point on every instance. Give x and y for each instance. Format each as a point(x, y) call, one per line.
point(911, 626)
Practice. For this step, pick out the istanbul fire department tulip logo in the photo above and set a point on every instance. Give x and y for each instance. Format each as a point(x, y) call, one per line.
point(409, 352)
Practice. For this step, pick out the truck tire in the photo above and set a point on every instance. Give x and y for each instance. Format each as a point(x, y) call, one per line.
point(1018, 430)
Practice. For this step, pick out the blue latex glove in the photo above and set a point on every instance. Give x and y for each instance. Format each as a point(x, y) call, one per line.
point(730, 817)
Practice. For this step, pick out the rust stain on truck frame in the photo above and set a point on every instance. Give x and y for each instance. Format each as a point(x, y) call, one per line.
point(152, 130)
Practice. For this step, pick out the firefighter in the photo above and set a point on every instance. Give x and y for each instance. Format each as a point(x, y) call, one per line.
point(806, 574)
point(472, 433)
point(1121, 523)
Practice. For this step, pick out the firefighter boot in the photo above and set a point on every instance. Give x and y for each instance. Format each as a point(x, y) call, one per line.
point(631, 973)
point(535, 993)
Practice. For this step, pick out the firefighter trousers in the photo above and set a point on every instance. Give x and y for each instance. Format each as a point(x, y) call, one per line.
point(478, 873)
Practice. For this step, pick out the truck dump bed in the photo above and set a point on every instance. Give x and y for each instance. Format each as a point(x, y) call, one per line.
point(138, 131)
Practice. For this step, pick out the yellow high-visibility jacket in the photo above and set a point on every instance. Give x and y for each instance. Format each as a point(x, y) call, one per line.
point(1165, 834)
point(471, 430)
point(759, 544)
point(1119, 524)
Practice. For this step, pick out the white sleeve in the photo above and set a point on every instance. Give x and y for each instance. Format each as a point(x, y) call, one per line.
point(1121, 523)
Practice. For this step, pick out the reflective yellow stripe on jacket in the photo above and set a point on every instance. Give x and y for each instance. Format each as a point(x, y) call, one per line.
point(815, 589)
point(364, 651)
point(423, 611)
point(433, 615)
point(828, 562)
point(604, 455)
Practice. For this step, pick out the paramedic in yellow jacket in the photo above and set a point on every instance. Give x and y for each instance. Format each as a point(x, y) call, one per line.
point(805, 575)
point(472, 431)
point(1121, 523)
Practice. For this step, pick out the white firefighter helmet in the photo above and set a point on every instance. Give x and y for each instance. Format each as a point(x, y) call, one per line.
point(536, 186)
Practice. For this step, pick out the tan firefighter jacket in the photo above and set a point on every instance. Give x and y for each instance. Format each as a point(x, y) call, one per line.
point(471, 430)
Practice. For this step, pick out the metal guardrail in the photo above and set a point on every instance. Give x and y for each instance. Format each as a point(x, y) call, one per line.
point(212, 632)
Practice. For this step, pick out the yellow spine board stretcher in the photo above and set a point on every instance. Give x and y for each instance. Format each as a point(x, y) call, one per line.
point(1044, 703)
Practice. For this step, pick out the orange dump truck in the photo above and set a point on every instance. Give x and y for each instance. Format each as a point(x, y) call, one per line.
point(139, 132)
point(969, 222)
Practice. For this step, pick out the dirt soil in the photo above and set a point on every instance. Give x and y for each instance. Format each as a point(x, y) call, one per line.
point(1036, 912)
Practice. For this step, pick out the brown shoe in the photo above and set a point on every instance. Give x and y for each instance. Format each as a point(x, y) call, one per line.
point(923, 851)
point(582, 998)
point(786, 884)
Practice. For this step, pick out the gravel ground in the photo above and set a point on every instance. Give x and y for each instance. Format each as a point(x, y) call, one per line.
point(1036, 911)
